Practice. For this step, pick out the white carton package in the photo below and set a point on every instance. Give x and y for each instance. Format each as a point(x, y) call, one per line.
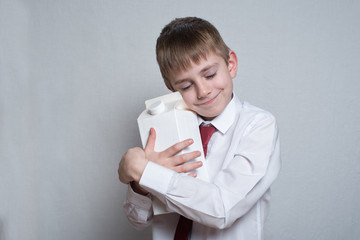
point(173, 123)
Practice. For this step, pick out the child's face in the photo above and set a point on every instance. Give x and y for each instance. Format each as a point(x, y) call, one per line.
point(207, 87)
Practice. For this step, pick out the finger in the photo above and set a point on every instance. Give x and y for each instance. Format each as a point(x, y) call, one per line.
point(122, 178)
point(150, 144)
point(192, 174)
point(174, 149)
point(185, 168)
point(184, 158)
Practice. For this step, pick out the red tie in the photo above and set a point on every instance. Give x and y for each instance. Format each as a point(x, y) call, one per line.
point(206, 132)
point(183, 229)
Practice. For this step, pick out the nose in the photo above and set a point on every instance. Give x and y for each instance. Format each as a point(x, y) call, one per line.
point(203, 89)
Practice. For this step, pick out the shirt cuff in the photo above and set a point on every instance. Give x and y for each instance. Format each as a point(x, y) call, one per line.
point(139, 200)
point(156, 178)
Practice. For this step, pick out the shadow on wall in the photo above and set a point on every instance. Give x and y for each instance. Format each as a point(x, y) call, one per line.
point(2, 237)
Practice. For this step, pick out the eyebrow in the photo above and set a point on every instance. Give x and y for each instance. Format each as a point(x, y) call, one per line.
point(208, 67)
point(205, 69)
point(181, 81)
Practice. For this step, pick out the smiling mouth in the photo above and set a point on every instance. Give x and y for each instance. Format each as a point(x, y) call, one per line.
point(209, 101)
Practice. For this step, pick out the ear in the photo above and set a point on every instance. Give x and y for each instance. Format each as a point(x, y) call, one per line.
point(233, 64)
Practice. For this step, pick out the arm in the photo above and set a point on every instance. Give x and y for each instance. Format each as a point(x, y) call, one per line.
point(138, 208)
point(138, 204)
point(247, 176)
point(134, 161)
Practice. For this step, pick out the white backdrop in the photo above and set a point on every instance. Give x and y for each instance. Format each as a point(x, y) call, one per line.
point(74, 76)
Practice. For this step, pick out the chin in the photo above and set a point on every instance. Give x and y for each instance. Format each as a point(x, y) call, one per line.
point(209, 114)
point(209, 117)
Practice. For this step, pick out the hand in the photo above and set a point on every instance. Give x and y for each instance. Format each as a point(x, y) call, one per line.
point(132, 165)
point(134, 161)
point(167, 157)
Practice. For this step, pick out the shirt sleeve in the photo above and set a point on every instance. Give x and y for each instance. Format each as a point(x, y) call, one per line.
point(236, 188)
point(138, 209)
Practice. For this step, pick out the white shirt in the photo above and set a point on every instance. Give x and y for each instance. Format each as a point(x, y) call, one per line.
point(243, 160)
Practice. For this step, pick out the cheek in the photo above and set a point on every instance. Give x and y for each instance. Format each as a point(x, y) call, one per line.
point(230, 85)
point(224, 83)
point(187, 97)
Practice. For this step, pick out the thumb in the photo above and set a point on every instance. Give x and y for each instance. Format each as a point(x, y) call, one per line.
point(150, 144)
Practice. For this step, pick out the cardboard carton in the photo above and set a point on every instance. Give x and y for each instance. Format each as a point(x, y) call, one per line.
point(173, 123)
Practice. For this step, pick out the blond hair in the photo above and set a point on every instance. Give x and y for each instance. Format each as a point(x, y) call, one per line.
point(185, 41)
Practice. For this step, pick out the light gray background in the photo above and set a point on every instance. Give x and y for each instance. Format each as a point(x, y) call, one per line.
point(74, 76)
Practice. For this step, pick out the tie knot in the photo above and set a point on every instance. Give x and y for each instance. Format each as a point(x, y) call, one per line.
point(206, 132)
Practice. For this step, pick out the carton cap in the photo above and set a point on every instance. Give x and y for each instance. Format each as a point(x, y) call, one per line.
point(156, 107)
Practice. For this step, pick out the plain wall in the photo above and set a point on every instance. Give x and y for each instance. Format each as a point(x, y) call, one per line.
point(74, 76)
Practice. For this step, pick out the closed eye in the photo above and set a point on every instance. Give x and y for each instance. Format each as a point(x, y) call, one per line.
point(210, 76)
point(186, 87)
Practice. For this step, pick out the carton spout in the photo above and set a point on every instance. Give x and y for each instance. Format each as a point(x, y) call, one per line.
point(156, 107)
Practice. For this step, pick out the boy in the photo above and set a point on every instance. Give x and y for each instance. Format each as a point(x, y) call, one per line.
point(242, 156)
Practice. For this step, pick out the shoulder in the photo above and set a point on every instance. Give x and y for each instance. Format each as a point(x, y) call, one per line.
point(259, 112)
point(252, 113)
point(256, 126)
point(252, 119)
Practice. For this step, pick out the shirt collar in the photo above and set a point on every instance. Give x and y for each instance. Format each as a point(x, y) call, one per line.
point(224, 121)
